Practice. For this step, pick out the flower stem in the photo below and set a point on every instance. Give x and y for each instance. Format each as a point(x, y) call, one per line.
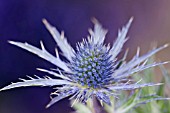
point(97, 108)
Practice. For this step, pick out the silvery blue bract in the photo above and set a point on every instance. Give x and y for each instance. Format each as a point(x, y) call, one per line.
point(93, 69)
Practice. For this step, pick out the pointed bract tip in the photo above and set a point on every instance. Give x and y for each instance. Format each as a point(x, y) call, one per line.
point(44, 21)
point(40, 69)
point(131, 19)
point(166, 45)
point(11, 42)
point(1, 89)
point(158, 84)
point(47, 106)
point(167, 62)
point(42, 45)
point(94, 20)
point(129, 22)
point(14, 43)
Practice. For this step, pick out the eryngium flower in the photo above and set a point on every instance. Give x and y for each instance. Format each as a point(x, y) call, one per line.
point(93, 69)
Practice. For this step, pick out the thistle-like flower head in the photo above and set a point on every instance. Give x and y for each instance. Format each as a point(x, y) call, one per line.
point(93, 69)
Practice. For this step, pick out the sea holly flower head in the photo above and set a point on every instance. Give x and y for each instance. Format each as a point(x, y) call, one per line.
point(92, 69)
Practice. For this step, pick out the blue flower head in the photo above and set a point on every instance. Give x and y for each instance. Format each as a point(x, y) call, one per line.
point(93, 69)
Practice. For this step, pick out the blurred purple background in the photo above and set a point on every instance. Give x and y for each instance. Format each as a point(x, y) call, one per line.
point(20, 20)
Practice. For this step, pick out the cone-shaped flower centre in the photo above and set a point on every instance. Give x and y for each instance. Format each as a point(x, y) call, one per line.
point(91, 65)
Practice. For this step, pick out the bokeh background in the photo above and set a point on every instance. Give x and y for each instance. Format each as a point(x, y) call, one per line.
point(20, 20)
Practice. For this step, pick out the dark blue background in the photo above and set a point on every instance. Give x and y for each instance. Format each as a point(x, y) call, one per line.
point(20, 20)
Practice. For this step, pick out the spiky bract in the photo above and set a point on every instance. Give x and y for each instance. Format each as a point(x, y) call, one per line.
point(93, 69)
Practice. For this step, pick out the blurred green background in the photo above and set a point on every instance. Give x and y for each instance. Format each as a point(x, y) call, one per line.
point(20, 20)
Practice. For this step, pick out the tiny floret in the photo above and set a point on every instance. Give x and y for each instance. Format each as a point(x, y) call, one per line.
point(92, 65)
point(92, 69)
